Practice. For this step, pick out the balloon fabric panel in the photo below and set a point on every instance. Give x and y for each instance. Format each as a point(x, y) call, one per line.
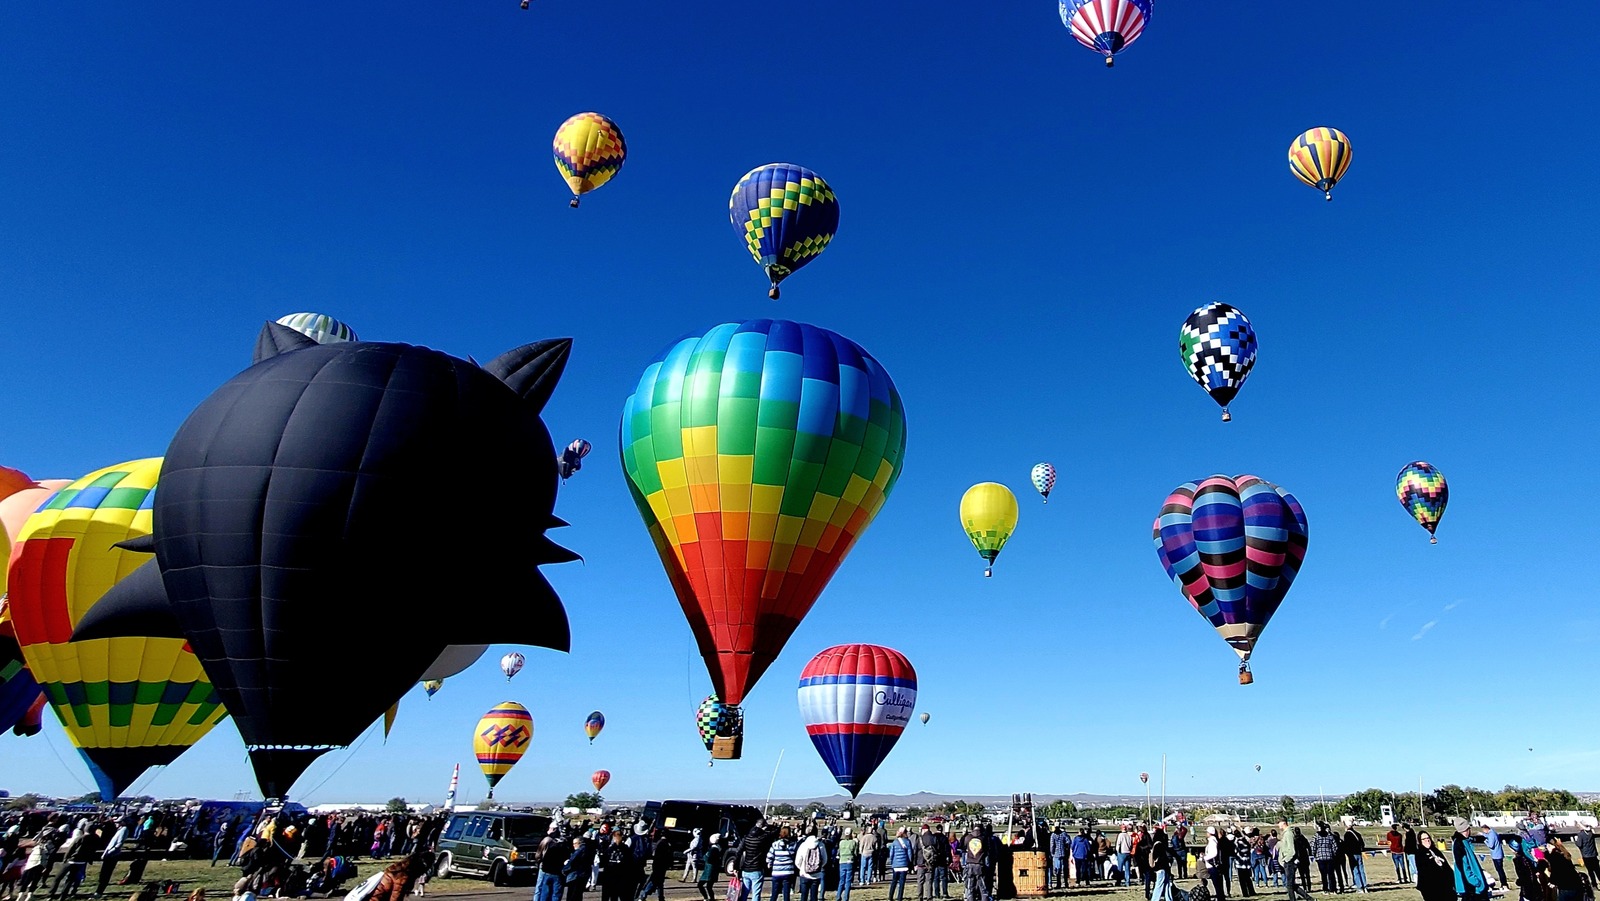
point(856, 700)
point(758, 454)
point(18, 690)
point(319, 327)
point(707, 717)
point(1218, 348)
point(1233, 547)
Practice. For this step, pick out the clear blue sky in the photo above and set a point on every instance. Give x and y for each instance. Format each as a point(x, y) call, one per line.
point(1022, 234)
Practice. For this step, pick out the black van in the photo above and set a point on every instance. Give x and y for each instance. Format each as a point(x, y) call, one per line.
point(491, 843)
point(677, 820)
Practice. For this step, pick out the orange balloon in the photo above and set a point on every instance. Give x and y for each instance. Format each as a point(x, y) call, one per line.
point(600, 778)
point(16, 508)
point(12, 481)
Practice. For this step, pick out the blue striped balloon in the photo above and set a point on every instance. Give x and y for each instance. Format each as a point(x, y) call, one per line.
point(856, 700)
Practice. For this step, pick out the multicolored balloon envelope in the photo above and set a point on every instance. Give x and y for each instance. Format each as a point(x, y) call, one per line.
point(572, 457)
point(1233, 547)
point(127, 703)
point(757, 454)
point(599, 779)
point(432, 686)
point(1319, 157)
point(707, 717)
point(319, 327)
point(855, 700)
point(589, 150)
point(1218, 349)
point(1044, 479)
point(786, 215)
point(1105, 26)
point(989, 517)
point(593, 724)
point(500, 740)
point(1424, 493)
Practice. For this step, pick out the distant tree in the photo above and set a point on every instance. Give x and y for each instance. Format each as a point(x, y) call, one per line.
point(816, 809)
point(1364, 805)
point(783, 809)
point(1287, 809)
point(585, 800)
point(1524, 799)
point(23, 802)
point(1058, 809)
point(1448, 801)
point(398, 805)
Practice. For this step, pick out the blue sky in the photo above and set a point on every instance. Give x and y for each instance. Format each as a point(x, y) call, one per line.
point(1022, 232)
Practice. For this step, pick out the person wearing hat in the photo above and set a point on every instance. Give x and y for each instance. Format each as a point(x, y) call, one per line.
point(549, 857)
point(1470, 884)
point(709, 860)
point(1586, 850)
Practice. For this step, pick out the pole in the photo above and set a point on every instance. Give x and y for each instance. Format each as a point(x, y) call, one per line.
point(1147, 802)
point(1163, 787)
point(773, 782)
point(1422, 810)
point(1324, 799)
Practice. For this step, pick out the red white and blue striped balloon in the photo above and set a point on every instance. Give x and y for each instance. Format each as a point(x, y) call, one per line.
point(856, 699)
point(1105, 26)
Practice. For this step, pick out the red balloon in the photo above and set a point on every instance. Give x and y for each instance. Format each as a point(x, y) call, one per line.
point(600, 778)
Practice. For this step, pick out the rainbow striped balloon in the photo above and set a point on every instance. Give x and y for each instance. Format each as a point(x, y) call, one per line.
point(757, 454)
point(1233, 547)
point(502, 737)
point(1424, 493)
point(856, 700)
point(127, 703)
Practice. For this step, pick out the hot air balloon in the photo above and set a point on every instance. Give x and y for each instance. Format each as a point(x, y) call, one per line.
point(1233, 547)
point(786, 215)
point(319, 327)
point(1319, 158)
point(288, 511)
point(757, 454)
point(1218, 348)
point(127, 703)
point(989, 516)
point(500, 740)
point(1258, 767)
point(1144, 777)
point(925, 719)
point(432, 686)
point(707, 718)
point(16, 507)
point(1105, 26)
point(511, 664)
point(589, 150)
point(599, 779)
point(572, 457)
point(593, 724)
point(1044, 479)
point(1423, 492)
point(855, 700)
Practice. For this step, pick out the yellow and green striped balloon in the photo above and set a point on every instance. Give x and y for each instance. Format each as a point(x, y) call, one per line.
point(127, 703)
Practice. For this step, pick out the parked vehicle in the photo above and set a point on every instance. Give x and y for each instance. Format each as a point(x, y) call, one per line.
point(677, 820)
point(491, 844)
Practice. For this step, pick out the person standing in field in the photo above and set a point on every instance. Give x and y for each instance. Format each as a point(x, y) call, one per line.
point(1497, 853)
point(1241, 864)
point(1157, 862)
point(1435, 880)
point(1470, 884)
point(1586, 850)
point(810, 862)
point(1124, 852)
point(849, 854)
point(1411, 846)
point(1397, 854)
point(1081, 851)
point(1287, 854)
point(974, 861)
point(709, 860)
point(869, 855)
point(1211, 859)
point(1059, 843)
point(1180, 853)
point(1354, 846)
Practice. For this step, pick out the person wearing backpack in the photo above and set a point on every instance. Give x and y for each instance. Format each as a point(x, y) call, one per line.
point(1354, 846)
point(809, 862)
point(930, 850)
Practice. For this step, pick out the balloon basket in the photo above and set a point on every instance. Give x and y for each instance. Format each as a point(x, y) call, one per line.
point(574, 201)
point(773, 292)
point(988, 573)
point(1245, 676)
point(524, 4)
point(1432, 540)
point(1110, 62)
point(1226, 416)
point(726, 747)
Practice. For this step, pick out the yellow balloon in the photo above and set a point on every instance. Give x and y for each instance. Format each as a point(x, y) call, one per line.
point(989, 516)
point(126, 703)
point(502, 737)
point(589, 150)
